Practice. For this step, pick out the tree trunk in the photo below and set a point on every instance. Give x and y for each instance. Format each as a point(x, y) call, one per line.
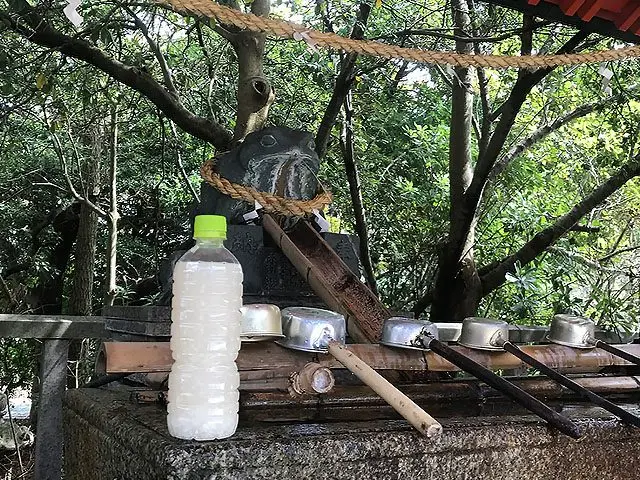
point(81, 296)
point(80, 299)
point(255, 94)
point(112, 246)
point(458, 289)
point(46, 296)
point(351, 167)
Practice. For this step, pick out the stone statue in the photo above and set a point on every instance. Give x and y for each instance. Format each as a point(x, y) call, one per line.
point(278, 160)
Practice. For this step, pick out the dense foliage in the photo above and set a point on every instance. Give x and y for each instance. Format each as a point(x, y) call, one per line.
point(56, 114)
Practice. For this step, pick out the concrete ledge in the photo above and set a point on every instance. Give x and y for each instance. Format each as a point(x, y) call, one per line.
point(51, 326)
point(107, 437)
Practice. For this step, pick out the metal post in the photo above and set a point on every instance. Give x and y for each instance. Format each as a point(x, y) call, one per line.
point(49, 438)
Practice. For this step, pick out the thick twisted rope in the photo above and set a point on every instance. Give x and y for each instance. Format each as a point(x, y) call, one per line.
point(280, 28)
point(270, 203)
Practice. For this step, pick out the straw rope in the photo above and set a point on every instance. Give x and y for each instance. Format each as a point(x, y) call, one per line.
point(280, 28)
point(270, 203)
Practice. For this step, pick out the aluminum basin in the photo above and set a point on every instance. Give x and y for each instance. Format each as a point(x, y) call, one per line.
point(311, 329)
point(404, 332)
point(484, 333)
point(572, 331)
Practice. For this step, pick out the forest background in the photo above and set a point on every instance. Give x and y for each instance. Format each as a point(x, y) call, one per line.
point(502, 193)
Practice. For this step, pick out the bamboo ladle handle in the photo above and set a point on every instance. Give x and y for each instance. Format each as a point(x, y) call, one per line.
point(416, 416)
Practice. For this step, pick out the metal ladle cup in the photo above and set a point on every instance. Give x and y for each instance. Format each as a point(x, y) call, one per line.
point(294, 327)
point(558, 421)
point(498, 331)
point(579, 332)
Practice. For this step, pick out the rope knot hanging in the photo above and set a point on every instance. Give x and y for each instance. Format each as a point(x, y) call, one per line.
point(270, 202)
point(315, 38)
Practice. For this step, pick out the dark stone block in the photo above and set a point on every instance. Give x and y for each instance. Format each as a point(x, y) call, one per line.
point(269, 274)
point(145, 313)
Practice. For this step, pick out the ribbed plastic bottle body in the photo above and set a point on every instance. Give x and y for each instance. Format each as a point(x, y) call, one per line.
point(205, 340)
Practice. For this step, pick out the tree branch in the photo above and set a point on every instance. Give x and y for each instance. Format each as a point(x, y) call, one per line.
point(343, 84)
point(509, 111)
point(36, 243)
point(114, 216)
point(545, 130)
point(588, 262)
point(155, 48)
point(460, 38)
point(183, 172)
point(495, 277)
point(618, 252)
point(585, 229)
point(484, 130)
point(34, 29)
point(65, 172)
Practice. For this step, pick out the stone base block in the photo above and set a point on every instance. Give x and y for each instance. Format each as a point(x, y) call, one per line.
point(107, 437)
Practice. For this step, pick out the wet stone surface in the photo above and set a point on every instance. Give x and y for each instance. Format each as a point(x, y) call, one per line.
point(108, 437)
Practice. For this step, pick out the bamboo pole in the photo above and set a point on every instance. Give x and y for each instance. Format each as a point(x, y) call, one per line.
point(156, 357)
point(416, 416)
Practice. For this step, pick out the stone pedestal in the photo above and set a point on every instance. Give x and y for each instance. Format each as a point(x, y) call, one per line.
point(108, 437)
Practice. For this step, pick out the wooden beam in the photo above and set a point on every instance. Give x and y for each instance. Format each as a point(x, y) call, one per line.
point(52, 326)
point(628, 16)
point(570, 7)
point(156, 357)
point(590, 9)
point(553, 12)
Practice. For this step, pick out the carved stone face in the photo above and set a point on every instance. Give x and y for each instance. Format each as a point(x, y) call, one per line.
point(277, 160)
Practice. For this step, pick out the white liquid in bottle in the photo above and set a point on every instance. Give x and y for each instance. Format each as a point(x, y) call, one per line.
point(205, 340)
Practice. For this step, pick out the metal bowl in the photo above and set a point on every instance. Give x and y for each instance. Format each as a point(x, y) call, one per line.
point(260, 322)
point(403, 332)
point(311, 329)
point(572, 331)
point(483, 333)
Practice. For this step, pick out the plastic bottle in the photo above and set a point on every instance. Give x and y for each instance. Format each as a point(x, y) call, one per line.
point(205, 336)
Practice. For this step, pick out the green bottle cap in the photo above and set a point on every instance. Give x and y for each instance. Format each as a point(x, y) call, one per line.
point(210, 226)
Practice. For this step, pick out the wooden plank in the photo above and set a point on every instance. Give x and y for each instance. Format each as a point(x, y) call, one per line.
point(145, 313)
point(448, 392)
point(145, 357)
point(331, 279)
point(628, 16)
point(360, 403)
point(49, 438)
point(590, 9)
point(156, 357)
point(52, 326)
point(570, 7)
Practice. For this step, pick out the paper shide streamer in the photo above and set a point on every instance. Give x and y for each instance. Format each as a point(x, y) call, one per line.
point(72, 14)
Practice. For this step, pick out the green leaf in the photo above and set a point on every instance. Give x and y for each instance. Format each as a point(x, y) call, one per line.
point(41, 80)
